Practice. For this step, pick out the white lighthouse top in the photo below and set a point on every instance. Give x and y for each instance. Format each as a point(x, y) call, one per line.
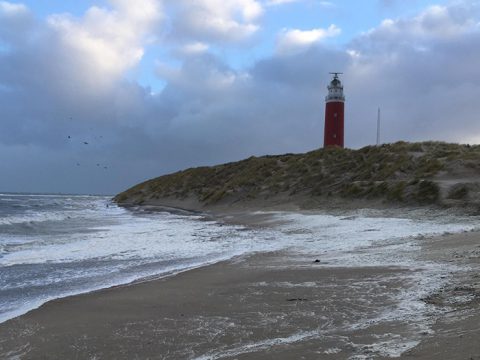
point(335, 90)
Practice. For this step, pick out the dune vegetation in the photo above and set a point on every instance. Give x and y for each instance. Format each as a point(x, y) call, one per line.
point(402, 173)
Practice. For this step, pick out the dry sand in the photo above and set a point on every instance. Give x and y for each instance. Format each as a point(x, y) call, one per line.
point(266, 306)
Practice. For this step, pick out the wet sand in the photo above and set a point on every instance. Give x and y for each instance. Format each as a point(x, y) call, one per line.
point(269, 306)
point(456, 333)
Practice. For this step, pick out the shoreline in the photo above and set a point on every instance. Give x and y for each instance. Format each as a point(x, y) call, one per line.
point(248, 221)
point(182, 295)
point(66, 319)
point(140, 280)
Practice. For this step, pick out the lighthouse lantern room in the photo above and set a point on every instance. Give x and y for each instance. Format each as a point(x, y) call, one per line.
point(334, 113)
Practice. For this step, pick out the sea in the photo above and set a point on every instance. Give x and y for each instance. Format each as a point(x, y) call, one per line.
point(53, 246)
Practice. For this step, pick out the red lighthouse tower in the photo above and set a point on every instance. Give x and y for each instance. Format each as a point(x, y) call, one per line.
point(334, 113)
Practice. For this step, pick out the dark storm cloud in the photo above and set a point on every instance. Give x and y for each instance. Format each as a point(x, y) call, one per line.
point(421, 71)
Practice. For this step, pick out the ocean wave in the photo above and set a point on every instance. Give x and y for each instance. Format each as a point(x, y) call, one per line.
point(33, 211)
point(34, 218)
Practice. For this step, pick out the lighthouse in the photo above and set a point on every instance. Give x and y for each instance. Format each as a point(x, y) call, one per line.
point(334, 113)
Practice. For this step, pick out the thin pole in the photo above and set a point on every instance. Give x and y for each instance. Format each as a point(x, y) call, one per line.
point(378, 128)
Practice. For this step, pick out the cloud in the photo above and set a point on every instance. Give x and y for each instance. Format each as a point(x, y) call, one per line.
point(68, 76)
point(436, 23)
point(283, 2)
point(12, 9)
point(294, 40)
point(194, 48)
point(111, 40)
point(216, 21)
point(421, 71)
point(15, 19)
point(280, 2)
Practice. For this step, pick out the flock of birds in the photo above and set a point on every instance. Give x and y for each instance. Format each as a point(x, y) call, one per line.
point(69, 137)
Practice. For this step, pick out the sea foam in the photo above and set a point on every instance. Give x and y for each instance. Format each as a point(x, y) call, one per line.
point(75, 244)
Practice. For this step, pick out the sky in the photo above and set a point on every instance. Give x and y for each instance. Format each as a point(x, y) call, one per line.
point(98, 95)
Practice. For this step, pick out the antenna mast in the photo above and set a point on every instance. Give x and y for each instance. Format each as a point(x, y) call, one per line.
point(378, 128)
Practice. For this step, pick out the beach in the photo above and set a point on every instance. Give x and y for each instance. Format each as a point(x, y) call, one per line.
point(413, 298)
